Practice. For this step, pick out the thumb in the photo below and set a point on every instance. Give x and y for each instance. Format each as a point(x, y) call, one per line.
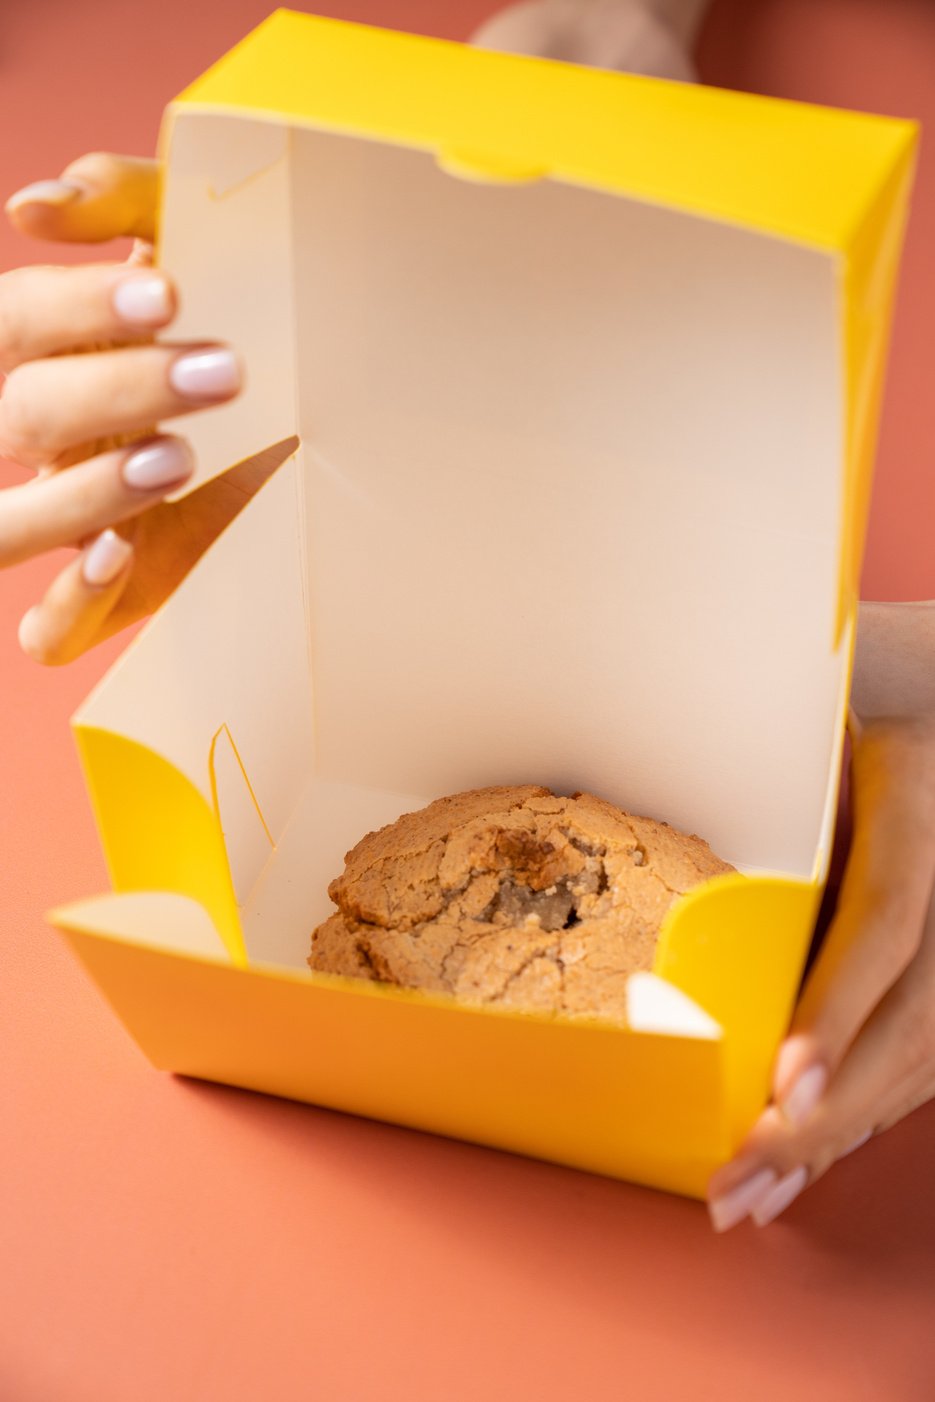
point(884, 898)
point(98, 197)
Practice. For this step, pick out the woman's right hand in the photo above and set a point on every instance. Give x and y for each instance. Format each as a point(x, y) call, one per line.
point(85, 383)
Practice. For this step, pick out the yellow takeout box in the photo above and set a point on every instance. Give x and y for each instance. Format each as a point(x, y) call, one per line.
point(585, 372)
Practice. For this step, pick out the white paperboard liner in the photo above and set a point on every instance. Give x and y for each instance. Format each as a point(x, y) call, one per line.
point(562, 512)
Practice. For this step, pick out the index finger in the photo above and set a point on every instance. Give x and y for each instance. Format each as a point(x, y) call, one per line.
point(98, 197)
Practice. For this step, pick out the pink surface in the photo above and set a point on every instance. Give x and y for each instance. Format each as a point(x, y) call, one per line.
point(165, 1241)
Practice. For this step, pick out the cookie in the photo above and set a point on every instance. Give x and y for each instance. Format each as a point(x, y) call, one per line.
point(511, 897)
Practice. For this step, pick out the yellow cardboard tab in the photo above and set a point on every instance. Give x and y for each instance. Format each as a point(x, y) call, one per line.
point(158, 832)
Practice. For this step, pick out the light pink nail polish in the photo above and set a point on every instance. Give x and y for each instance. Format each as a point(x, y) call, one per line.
point(158, 465)
point(143, 300)
point(805, 1095)
point(732, 1207)
point(779, 1198)
point(55, 192)
point(205, 374)
point(105, 557)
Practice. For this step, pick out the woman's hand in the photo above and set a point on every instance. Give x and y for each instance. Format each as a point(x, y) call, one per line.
point(860, 1053)
point(635, 36)
point(85, 382)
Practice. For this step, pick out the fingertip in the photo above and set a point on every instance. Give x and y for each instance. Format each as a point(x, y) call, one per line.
point(28, 635)
point(98, 197)
point(734, 1204)
point(801, 1099)
point(766, 1145)
point(144, 298)
point(45, 193)
point(105, 559)
point(780, 1196)
point(210, 374)
point(795, 1054)
point(42, 208)
point(76, 606)
point(38, 643)
point(159, 464)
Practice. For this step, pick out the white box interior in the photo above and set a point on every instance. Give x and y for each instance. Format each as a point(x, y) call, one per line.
point(566, 510)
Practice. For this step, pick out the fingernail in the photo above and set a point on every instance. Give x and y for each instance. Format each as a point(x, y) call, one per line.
point(732, 1207)
point(105, 557)
point(143, 301)
point(158, 465)
point(776, 1201)
point(57, 192)
point(861, 1139)
point(804, 1095)
point(205, 374)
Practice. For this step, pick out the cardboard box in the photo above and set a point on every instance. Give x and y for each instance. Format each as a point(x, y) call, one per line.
point(585, 372)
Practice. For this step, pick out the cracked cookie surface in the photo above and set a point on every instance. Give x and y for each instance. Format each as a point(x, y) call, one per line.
point(513, 897)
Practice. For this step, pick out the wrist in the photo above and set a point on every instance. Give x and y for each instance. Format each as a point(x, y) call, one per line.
point(894, 663)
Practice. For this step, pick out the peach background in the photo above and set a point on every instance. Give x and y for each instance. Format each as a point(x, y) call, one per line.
point(166, 1241)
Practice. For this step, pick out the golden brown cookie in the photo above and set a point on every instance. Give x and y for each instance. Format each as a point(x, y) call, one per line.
point(512, 897)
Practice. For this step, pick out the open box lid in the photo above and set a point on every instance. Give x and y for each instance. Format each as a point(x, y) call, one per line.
point(585, 368)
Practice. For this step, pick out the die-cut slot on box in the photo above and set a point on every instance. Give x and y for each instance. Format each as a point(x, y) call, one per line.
point(582, 374)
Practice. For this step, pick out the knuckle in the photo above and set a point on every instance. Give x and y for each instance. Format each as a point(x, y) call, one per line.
point(21, 418)
point(132, 384)
point(36, 642)
point(98, 168)
point(13, 328)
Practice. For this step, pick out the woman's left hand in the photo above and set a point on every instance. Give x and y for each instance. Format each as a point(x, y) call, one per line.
point(860, 1052)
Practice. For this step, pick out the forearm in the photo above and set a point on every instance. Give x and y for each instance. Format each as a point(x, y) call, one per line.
point(653, 37)
point(894, 664)
point(683, 17)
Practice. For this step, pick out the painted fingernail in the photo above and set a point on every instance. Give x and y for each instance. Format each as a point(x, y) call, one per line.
point(205, 374)
point(158, 465)
point(779, 1198)
point(56, 192)
point(861, 1139)
point(105, 557)
point(143, 300)
point(732, 1207)
point(805, 1095)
